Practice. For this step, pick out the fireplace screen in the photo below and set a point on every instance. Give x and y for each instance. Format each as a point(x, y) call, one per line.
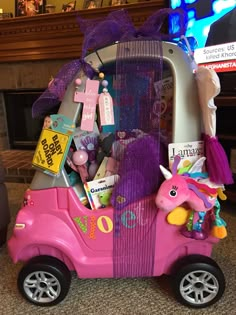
point(23, 130)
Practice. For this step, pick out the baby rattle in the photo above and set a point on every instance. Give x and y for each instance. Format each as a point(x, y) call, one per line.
point(78, 164)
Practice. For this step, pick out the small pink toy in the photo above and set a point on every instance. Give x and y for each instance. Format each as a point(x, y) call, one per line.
point(89, 144)
point(78, 164)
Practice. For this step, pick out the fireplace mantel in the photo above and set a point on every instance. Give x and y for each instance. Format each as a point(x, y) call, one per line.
point(57, 36)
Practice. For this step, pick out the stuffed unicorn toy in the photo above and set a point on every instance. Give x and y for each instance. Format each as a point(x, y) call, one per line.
point(181, 196)
point(177, 189)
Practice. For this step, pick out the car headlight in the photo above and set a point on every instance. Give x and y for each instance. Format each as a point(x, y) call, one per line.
point(19, 226)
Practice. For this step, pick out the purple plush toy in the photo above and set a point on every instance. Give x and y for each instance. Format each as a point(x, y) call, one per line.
point(139, 171)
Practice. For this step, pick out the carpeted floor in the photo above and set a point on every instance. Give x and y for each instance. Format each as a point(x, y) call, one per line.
point(123, 296)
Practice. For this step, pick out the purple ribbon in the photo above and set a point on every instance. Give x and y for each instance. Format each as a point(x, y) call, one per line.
point(98, 33)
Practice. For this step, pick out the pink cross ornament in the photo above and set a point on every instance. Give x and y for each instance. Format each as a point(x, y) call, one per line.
point(89, 98)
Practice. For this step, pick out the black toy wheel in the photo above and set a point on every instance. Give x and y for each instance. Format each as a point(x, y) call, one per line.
point(44, 281)
point(199, 284)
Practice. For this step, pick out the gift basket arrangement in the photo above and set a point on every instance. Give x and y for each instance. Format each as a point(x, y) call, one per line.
point(129, 171)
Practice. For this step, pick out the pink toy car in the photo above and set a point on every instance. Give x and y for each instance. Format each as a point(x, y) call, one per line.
point(55, 233)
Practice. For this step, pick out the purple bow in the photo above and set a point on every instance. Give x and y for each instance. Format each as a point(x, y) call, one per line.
point(118, 27)
point(98, 33)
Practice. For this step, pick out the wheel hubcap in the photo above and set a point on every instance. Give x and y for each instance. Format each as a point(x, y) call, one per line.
point(199, 287)
point(42, 287)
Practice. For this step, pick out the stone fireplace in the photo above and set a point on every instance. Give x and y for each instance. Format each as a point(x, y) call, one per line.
point(19, 132)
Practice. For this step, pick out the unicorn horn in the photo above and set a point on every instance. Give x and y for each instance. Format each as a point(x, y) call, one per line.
point(167, 174)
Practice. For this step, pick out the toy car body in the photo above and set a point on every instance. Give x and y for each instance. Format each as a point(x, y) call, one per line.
point(55, 233)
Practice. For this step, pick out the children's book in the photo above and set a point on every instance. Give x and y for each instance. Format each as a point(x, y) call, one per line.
point(189, 152)
point(99, 191)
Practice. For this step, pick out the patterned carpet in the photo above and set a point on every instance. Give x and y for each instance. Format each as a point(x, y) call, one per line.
point(122, 296)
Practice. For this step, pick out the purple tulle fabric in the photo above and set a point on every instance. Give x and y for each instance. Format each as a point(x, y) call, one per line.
point(98, 33)
point(54, 94)
point(135, 240)
point(217, 162)
point(118, 26)
point(138, 65)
